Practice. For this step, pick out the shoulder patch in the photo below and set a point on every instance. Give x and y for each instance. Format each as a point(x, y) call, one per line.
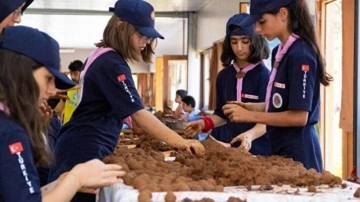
point(277, 100)
point(16, 147)
point(305, 68)
point(121, 77)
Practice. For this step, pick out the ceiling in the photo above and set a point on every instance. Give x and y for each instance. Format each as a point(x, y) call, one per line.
point(79, 23)
point(103, 5)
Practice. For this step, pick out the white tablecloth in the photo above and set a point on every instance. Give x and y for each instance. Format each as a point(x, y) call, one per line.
point(124, 193)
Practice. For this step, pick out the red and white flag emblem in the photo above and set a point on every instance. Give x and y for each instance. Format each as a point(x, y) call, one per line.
point(16, 147)
point(305, 68)
point(121, 77)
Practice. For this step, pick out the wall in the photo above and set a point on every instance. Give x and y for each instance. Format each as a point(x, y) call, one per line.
point(193, 61)
point(69, 55)
point(347, 101)
point(79, 36)
point(357, 65)
point(175, 38)
point(211, 21)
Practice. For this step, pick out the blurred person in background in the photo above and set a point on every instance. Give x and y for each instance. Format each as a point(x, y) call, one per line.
point(179, 112)
point(75, 68)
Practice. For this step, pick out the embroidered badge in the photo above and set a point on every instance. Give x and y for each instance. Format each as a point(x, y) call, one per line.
point(277, 100)
point(279, 85)
point(305, 68)
point(16, 147)
point(121, 77)
point(248, 96)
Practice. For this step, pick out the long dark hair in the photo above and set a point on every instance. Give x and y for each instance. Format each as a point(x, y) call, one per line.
point(19, 92)
point(301, 24)
point(259, 50)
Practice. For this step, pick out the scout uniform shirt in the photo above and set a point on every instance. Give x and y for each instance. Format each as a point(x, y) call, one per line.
point(19, 179)
point(109, 96)
point(253, 90)
point(297, 87)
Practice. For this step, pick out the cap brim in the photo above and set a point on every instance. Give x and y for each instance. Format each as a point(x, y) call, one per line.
point(244, 30)
point(61, 80)
point(27, 3)
point(149, 32)
point(249, 20)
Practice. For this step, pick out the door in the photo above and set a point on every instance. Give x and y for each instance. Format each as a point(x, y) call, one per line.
point(330, 132)
point(171, 75)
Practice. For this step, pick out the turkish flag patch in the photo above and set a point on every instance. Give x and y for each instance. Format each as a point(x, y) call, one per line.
point(121, 77)
point(16, 147)
point(305, 68)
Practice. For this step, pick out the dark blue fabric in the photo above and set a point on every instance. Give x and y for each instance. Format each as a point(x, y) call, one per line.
point(83, 197)
point(222, 133)
point(94, 128)
point(54, 130)
point(259, 7)
point(9, 6)
point(254, 84)
point(53, 134)
point(297, 89)
point(140, 14)
point(22, 39)
point(234, 22)
point(13, 184)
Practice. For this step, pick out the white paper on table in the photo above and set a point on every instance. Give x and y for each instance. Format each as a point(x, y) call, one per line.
point(123, 193)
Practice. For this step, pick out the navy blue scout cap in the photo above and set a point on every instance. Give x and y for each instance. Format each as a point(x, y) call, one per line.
point(259, 7)
point(40, 47)
point(9, 6)
point(140, 14)
point(235, 22)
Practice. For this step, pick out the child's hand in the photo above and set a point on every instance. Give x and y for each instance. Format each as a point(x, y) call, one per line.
point(46, 111)
point(193, 128)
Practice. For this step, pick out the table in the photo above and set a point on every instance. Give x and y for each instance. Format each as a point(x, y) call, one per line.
point(123, 193)
point(130, 131)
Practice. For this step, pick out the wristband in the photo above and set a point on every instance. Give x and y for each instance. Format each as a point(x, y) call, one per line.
point(209, 124)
